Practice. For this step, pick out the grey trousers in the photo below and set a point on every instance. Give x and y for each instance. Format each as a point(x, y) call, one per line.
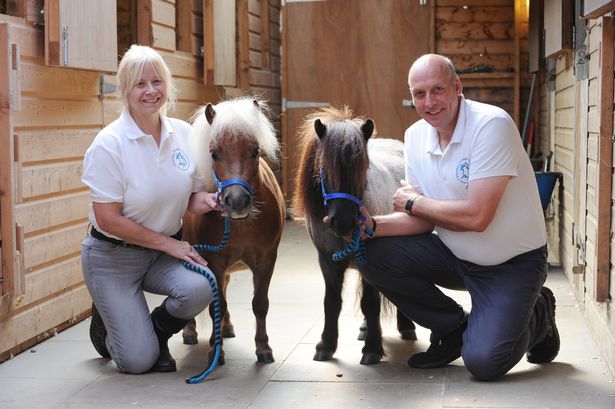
point(117, 277)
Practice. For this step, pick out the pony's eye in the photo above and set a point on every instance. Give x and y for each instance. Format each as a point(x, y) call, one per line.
point(256, 153)
point(214, 155)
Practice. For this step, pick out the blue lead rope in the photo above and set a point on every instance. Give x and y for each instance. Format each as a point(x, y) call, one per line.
point(214, 287)
point(356, 245)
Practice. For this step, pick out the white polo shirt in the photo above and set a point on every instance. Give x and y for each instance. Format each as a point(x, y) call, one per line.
point(153, 183)
point(486, 143)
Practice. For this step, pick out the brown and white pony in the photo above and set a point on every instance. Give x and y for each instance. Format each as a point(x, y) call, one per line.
point(230, 140)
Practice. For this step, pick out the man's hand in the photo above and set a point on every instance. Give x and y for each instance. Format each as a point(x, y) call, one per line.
point(403, 194)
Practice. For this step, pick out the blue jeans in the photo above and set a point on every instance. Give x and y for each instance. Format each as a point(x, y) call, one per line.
point(505, 320)
point(117, 277)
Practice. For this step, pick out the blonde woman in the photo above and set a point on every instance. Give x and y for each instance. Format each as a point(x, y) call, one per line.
point(140, 173)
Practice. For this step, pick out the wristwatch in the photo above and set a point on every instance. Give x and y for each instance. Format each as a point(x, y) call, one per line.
point(409, 204)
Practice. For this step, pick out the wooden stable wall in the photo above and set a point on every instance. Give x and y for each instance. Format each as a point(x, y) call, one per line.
point(578, 113)
point(487, 42)
point(49, 116)
point(57, 117)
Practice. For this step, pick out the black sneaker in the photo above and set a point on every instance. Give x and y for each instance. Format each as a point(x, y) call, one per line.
point(441, 352)
point(98, 333)
point(547, 349)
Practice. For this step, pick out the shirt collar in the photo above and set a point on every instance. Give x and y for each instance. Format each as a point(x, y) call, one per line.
point(134, 132)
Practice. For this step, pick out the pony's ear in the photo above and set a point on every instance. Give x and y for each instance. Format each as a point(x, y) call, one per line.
point(256, 104)
point(321, 129)
point(367, 129)
point(210, 113)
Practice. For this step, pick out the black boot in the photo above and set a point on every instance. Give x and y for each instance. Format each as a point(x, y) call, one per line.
point(547, 349)
point(98, 333)
point(165, 325)
point(441, 351)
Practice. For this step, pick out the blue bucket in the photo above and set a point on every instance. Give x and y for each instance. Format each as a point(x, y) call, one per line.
point(546, 184)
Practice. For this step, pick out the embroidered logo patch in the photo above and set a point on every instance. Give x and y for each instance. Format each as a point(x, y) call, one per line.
point(463, 171)
point(180, 159)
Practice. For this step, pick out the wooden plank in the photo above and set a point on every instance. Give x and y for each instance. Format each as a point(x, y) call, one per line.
point(185, 26)
point(53, 246)
point(53, 279)
point(164, 37)
point(37, 321)
point(42, 215)
point(53, 144)
point(7, 251)
point(49, 113)
point(474, 3)
point(265, 34)
point(605, 170)
point(54, 82)
point(481, 13)
point(224, 35)
point(243, 39)
point(52, 32)
point(208, 41)
point(477, 31)
point(145, 35)
point(480, 47)
point(51, 178)
point(163, 13)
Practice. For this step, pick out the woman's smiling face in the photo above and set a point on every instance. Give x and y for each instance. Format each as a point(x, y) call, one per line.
point(149, 94)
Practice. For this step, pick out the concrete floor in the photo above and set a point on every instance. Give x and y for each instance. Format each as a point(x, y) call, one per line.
point(66, 372)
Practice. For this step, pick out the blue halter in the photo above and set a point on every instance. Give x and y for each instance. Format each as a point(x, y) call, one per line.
point(330, 196)
point(227, 183)
point(356, 245)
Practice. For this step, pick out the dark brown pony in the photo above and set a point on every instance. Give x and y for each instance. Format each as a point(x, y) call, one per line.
point(335, 145)
point(229, 139)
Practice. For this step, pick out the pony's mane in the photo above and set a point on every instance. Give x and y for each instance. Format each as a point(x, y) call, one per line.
point(238, 117)
point(316, 154)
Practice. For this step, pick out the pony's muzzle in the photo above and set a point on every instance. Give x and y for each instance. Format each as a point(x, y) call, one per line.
point(237, 201)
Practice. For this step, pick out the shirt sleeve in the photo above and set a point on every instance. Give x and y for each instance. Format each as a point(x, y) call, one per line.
point(410, 176)
point(496, 150)
point(103, 173)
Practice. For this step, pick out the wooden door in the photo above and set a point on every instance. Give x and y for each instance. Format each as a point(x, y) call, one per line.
point(350, 52)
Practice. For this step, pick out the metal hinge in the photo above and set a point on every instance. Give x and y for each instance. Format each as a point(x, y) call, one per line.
point(65, 44)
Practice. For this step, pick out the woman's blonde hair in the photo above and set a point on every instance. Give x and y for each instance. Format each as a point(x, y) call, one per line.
point(131, 68)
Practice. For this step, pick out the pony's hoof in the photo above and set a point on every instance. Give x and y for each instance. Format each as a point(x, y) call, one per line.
point(228, 333)
point(265, 357)
point(371, 359)
point(323, 355)
point(191, 339)
point(408, 334)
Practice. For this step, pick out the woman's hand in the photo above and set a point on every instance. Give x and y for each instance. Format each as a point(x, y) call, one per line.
point(184, 251)
point(203, 202)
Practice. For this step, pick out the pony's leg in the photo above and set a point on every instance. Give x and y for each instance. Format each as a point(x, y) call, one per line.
point(333, 274)
point(228, 330)
point(190, 334)
point(406, 327)
point(261, 276)
point(370, 306)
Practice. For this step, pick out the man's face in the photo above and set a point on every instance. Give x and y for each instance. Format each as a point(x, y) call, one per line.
point(436, 95)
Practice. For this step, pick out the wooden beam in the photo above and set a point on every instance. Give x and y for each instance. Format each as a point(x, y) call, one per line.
point(145, 33)
point(208, 42)
point(517, 63)
point(183, 27)
point(243, 37)
point(605, 162)
point(265, 34)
